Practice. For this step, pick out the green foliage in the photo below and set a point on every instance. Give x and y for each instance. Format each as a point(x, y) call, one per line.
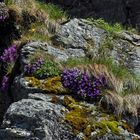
point(53, 11)
point(73, 62)
point(107, 46)
point(129, 79)
point(131, 83)
point(105, 126)
point(119, 71)
point(36, 32)
point(48, 69)
point(106, 26)
point(8, 2)
point(110, 28)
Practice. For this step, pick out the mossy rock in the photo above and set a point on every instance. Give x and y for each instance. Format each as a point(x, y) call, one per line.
point(68, 100)
point(78, 117)
point(106, 125)
point(53, 85)
point(88, 130)
point(50, 85)
point(33, 82)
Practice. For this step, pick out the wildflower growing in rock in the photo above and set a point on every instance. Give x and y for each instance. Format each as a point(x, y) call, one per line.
point(81, 83)
point(2, 18)
point(9, 55)
point(70, 79)
point(4, 83)
point(31, 68)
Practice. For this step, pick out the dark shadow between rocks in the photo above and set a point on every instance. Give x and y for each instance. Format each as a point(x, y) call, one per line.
point(126, 12)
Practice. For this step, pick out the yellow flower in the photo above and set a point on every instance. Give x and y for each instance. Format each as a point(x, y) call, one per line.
point(33, 30)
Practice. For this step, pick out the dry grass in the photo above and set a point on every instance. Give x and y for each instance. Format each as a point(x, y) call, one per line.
point(38, 20)
point(118, 104)
point(134, 99)
point(98, 70)
point(113, 98)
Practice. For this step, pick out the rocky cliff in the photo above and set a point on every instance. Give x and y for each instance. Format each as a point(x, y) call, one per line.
point(63, 79)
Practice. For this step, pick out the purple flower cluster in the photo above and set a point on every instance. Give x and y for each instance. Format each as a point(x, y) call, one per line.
point(81, 83)
point(9, 55)
point(31, 68)
point(2, 17)
point(5, 83)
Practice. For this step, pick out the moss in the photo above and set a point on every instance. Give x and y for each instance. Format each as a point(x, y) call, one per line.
point(50, 85)
point(69, 100)
point(106, 125)
point(113, 126)
point(78, 118)
point(8, 2)
point(53, 85)
point(33, 82)
point(103, 129)
point(88, 130)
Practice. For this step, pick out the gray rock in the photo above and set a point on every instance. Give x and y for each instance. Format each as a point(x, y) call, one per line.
point(35, 119)
point(78, 38)
point(30, 49)
point(126, 50)
point(77, 35)
point(21, 90)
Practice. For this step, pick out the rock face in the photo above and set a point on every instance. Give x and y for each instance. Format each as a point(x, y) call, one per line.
point(78, 34)
point(35, 118)
point(123, 11)
point(32, 48)
point(36, 115)
point(78, 39)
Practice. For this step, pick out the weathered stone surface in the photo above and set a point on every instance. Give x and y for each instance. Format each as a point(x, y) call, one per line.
point(78, 34)
point(127, 51)
point(32, 48)
point(20, 88)
point(34, 116)
point(35, 119)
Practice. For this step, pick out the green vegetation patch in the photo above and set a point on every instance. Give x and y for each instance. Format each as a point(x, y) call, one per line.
point(50, 85)
point(54, 11)
point(48, 69)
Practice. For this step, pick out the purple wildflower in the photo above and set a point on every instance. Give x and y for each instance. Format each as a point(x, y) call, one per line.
point(81, 83)
point(9, 55)
point(31, 68)
point(4, 83)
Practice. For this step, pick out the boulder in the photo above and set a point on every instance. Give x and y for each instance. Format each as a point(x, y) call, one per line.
point(76, 34)
point(32, 48)
point(35, 118)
